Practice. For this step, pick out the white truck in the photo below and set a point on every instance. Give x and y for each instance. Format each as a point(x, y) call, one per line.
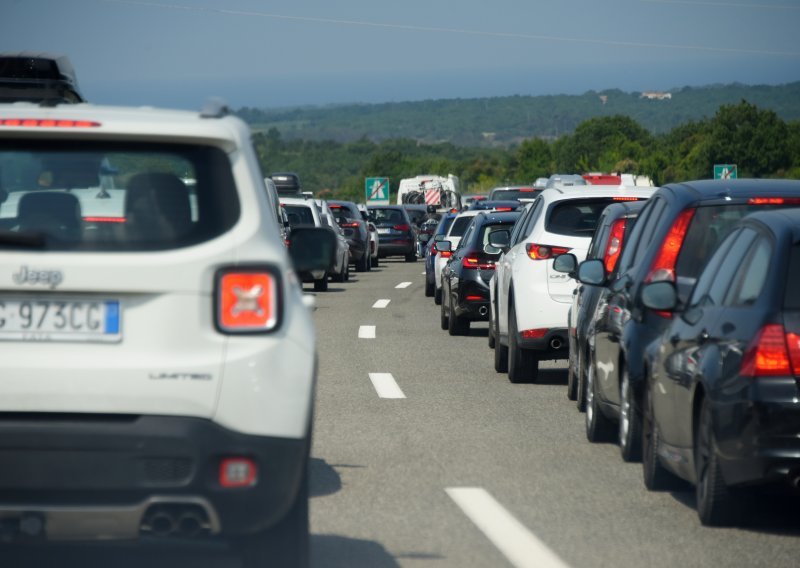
point(441, 192)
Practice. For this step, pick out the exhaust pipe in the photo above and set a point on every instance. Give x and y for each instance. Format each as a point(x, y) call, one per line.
point(190, 523)
point(556, 343)
point(483, 310)
point(161, 523)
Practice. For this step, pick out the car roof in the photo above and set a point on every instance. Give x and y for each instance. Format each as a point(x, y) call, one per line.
point(778, 221)
point(505, 216)
point(733, 188)
point(588, 192)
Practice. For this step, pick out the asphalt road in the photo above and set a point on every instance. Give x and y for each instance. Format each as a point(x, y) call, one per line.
point(390, 475)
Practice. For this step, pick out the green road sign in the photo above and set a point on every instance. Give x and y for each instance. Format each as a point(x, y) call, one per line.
point(377, 190)
point(725, 171)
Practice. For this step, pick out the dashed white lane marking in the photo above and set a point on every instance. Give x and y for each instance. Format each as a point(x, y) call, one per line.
point(517, 543)
point(366, 332)
point(381, 304)
point(385, 385)
point(403, 285)
point(424, 273)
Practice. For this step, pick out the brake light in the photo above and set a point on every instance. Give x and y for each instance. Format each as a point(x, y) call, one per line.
point(446, 253)
point(472, 261)
point(768, 355)
point(663, 267)
point(526, 189)
point(403, 227)
point(774, 201)
point(625, 199)
point(353, 225)
point(474, 298)
point(237, 472)
point(503, 209)
point(247, 300)
point(793, 341)
point(47, 123)
point(104, 219)
point(534, 333)
point(614, 246)
point(544, 252)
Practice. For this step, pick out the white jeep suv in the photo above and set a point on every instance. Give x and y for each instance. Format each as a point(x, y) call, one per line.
point(530, 300)
point(159, 360)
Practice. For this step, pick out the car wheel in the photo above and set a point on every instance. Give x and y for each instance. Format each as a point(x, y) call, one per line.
point(598, 427)
point(456, 325)
point(630, 423)
point(286, 544)
point(429, 288)
point(362, 264)
point(523, 366)
point(437, 296)
point(346, 272)
point(411, 257)
point(717, 504)
point(443, 319)
point(656, 476)
point(580, 378)
point(375, 262)
point(492, 340)
point(322, 284)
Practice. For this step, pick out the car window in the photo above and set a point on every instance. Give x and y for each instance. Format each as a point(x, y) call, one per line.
point(459, 226)
point(791, 298)
point(750, 278)
point(727, 263)
point(512, 194)
point(526, 229)
point(515, 232)
point(344, 211)
point(647, 231)
point(575, 217)
point(116, 195)
point(488, 229)
point(388, 216)
point(299, 215)
point(708, 276)
point(468, 233)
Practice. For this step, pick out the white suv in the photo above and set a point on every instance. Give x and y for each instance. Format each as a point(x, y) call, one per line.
point(159, 360)
point(529, 300)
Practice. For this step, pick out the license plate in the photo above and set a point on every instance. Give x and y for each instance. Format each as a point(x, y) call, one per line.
point(35, 319)
point(384, 231)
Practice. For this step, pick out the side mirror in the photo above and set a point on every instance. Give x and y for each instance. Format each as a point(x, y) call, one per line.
point(493, 250)
point(566, 263)
point(443, 246)
point(500, 239)
point(423, 237)
point(661, 296)
point(312, 249)
point(592, 272)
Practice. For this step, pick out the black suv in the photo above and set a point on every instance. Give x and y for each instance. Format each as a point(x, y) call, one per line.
point(355, 231)
point(676, 233)
point(38, 77)
point(395, 231)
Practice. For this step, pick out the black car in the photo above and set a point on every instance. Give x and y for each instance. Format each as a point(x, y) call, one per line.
point(465, 277)
point(721, 406)
point(38, 77)
point(356, 232)
point(396, 233)
point(613, 229)
point(430, 256)
point(676, 233)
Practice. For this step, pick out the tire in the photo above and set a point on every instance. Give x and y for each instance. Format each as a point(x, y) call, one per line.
point(375, 262)
point(411, 257)
point(717, 504)
point(456, 325)
point(362, 264)
point(523, 366)
point(286, 544)
point(598, 427)
point(437, 296)
point(443, 319)
point(630, 423)
point(429, 288)
point(321, 285)
point(656, 476)
point(572, 387)
point(346, 272)
point(580, 379)
point(491, 339)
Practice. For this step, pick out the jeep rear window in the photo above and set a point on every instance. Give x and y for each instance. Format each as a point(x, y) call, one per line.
point(576, 217)
point(299, 215)
point(113, 196)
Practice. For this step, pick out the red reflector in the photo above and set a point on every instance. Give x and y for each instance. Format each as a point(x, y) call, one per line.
point(104, 219)
point(544, 252)
point(474, 298)
point(534, 333)
point(767, 355)
point(614, 247)
point(663, 267)
point(237, 472)
point(47, 123)
point(401, 227)
point(247, 301)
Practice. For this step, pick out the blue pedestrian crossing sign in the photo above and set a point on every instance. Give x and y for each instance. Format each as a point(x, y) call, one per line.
point(725, 171)
point(377, 191)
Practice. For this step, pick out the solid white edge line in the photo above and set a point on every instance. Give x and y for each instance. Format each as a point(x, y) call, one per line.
point(385, 385)
point(519, 545)
point(403, 285)
point(381, 304)
point(366, 332)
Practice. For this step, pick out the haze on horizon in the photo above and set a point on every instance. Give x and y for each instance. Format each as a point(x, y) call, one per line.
point(281, 53)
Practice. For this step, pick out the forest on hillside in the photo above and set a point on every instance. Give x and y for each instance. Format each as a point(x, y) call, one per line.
point(505, 121)
point(758, 140)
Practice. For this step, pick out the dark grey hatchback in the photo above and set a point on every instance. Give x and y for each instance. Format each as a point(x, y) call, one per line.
point(395, 232)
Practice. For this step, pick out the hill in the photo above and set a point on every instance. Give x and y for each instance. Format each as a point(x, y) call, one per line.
point(505, 121)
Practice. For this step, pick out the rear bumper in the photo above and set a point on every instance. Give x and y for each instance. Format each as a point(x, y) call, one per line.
point(552, 345)
point(473, 298)
point(396, 247)
point(102, 476)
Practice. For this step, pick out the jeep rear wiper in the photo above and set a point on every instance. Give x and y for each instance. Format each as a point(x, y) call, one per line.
point(25, 239)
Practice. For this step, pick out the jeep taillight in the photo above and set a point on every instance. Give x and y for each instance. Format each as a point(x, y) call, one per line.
point(663, 267)
point(247, 300)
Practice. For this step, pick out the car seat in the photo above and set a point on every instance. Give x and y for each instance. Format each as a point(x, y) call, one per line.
point(157, 207)
point(56, 214)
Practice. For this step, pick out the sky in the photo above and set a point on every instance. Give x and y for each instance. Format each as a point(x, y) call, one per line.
point(283, 53)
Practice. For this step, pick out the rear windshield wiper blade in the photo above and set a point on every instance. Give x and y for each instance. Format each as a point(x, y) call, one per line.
point(24, 239)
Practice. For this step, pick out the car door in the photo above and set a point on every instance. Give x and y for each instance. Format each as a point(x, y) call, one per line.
point(501, 266)
point(513, 256)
